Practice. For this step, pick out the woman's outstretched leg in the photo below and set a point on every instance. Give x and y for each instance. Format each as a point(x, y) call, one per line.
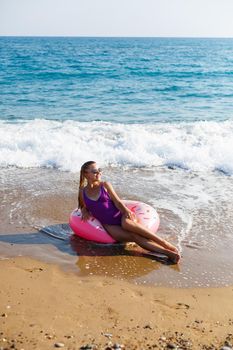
point(135, 227)
point(121, 235)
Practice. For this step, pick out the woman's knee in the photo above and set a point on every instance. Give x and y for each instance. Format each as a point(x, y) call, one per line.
point(126, 223)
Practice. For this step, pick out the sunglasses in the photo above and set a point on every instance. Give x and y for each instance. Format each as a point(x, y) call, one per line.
point(95, 171)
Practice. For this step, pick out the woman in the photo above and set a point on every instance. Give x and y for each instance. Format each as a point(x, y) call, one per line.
point(99, 199)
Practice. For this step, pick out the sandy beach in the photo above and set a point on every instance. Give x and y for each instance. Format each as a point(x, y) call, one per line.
point(42, 307)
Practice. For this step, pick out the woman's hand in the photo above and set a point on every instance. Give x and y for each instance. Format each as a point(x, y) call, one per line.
point(85, 214)
point(118, 203)
point(129, 214)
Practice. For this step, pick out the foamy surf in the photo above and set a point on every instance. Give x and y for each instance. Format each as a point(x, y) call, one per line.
point(200, 146)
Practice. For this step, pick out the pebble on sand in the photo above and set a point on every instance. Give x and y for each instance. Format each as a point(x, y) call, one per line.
point(59, 345)
point(87, 347)
point(171, 346)
point(118, 346)
point(108, 335)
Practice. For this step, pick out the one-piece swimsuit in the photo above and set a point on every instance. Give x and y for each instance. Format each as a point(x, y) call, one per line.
point(103, 209)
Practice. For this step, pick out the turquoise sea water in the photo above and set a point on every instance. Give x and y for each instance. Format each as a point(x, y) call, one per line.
point(126, 80)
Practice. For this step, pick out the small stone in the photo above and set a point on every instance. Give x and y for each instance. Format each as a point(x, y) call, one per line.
point(59, 345)
point(4, 315)
point(226, 348)
point(197, 321)
point(116, 346)
point(147, 326)
point(108, 335)
point(171, 346)
point(86, 347)
point(163, 338)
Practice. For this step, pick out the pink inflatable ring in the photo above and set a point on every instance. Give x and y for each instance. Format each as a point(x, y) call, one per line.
point(92, 229)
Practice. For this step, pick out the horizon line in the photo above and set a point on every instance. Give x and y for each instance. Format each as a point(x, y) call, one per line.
point(117, 37)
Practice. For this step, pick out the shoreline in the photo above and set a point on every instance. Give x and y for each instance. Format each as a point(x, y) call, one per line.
point(42, 306)
point(44, 198)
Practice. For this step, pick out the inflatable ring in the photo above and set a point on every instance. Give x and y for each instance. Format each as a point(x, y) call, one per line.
point(92, 229)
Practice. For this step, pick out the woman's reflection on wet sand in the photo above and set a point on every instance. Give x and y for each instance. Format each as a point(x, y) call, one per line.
point(114, 260)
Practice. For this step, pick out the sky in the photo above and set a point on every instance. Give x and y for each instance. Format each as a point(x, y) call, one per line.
point(140, 18)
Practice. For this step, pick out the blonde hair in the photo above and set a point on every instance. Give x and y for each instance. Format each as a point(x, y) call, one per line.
point(83, 169)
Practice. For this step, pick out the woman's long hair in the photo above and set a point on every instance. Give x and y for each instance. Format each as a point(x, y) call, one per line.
point(83, 169)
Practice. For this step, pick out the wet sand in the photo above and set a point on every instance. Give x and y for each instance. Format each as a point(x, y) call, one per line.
point(42, 307)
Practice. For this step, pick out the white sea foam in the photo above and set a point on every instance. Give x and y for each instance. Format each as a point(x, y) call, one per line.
point(199, 146)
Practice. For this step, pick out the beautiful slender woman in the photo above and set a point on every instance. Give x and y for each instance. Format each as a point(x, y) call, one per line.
point(99, 199)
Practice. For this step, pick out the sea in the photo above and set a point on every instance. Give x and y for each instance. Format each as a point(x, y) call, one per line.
point(156, 114)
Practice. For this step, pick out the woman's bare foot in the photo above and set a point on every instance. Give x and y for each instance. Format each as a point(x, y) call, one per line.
point(174, 257)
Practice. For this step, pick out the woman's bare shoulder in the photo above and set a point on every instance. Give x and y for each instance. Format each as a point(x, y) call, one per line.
point(107, 185)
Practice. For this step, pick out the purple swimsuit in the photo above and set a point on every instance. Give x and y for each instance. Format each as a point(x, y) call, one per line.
point(103, 209)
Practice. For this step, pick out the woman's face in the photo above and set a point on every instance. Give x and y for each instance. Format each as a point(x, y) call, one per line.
point(93, 173)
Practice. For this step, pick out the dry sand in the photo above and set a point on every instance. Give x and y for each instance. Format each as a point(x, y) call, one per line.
point(42, 307)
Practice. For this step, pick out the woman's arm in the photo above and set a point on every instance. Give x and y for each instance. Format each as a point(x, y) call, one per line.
point(118, 202)
point(85, 213)
point(81, 203)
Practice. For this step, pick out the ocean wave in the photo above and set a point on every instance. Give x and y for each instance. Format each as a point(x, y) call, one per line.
point(200, 146)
